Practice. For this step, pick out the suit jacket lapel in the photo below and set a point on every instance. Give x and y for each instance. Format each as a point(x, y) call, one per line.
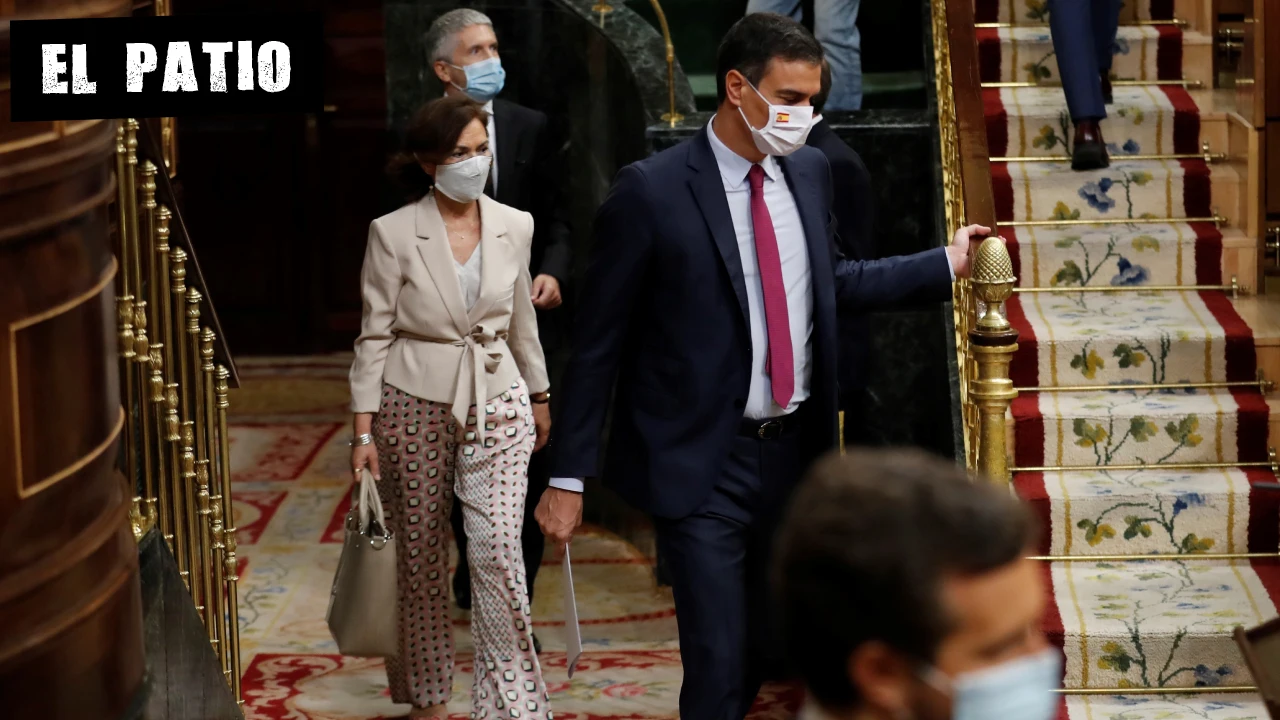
point(494, 259)
point(438, 258)
point(708, 190)
point(508, 147)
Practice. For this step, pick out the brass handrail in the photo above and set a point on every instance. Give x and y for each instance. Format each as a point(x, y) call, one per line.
point(671, 117)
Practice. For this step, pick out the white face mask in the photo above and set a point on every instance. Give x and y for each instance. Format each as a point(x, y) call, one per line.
point(1020, 689)
point(464, 181)
point(785, 130)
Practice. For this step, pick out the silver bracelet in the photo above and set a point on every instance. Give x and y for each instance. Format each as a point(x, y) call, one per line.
point(362, 439)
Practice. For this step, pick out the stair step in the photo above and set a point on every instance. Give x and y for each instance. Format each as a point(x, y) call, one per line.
point(1141, 52)
point(1147, 120)
point(1158, 623)
point(1101, 256)
point(1071, 339)
point(1140, 427)
point(1128, 189)
point(1210, 706)
point(1105, 512)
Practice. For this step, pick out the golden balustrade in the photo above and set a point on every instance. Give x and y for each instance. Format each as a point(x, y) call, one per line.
point(671, 117)
point(985, 342)
point(174, 383)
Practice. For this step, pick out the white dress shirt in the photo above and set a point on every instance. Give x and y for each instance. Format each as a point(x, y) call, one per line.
point(493, 147)
point(794, 256)
point(469, 277)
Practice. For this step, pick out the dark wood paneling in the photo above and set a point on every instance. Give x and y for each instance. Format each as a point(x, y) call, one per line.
point(348, 150)
point(280, 205)
point(1271, 29)
point(1271, 169)
point(70, 606)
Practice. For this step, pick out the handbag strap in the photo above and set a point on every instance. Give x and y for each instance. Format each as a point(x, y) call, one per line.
point(370, 506)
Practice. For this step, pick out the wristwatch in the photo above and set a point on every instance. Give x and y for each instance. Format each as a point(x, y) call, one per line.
point(541, 398)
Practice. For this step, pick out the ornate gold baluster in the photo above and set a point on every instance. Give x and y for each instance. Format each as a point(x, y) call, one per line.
point(190, 511)
point(142, 358)
point(212, 494)
point(156, 398)
point(124, 305)
point(197, 413)
point(993, 342)
point(184, 500)
point(173, 437)
point(232, 642)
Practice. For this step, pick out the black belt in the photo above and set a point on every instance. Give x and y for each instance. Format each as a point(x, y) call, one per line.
point(771, 428)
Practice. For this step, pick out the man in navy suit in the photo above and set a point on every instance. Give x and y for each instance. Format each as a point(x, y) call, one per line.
point(711, 298)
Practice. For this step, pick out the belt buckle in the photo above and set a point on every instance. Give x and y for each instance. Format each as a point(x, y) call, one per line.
point(769, 429)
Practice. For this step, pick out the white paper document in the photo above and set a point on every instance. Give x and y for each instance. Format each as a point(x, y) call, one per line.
point(572, 634)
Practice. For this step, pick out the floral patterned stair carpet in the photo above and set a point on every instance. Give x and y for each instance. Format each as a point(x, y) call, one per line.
point(290, 427)
point(1163, 623)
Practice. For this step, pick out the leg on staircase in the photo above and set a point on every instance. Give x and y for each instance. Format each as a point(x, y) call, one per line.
point(1076, 26)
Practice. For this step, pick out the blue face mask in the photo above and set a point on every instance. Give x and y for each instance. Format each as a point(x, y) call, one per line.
point(484, 79)
point(1020, 689)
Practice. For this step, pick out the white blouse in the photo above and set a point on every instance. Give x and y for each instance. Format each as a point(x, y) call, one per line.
point(469, 277)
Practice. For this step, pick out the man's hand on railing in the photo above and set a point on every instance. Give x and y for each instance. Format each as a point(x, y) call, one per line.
point(960, 250)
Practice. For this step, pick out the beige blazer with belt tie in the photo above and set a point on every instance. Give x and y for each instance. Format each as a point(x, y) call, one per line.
point(416, 333)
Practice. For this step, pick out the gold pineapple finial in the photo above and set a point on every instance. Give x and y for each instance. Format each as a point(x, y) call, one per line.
point(992, 280)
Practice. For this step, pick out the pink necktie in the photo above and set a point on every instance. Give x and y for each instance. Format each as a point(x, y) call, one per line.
point(778, 363)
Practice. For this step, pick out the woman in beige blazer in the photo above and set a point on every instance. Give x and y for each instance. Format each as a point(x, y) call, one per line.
point(449, 389)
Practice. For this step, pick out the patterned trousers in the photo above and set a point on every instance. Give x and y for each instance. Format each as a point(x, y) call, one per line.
point(425, 461)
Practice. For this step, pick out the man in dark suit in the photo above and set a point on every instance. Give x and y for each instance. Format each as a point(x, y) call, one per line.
point(854, 212)
point(711, 297)
point(463, 50)
point(1084, 33)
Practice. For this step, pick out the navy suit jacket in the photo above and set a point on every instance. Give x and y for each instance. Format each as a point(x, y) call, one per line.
point(855, 214)
point(663, 311)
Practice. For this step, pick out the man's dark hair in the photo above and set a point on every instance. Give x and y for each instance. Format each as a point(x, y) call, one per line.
point(864, 549)
point(758, 38)
point(432, 135)
point(820, 100)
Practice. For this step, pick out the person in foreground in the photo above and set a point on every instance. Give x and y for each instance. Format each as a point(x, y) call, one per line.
point(448, 389)
point(1084, 35)
point(711, 297)
point(526, 175)
point(905, 593)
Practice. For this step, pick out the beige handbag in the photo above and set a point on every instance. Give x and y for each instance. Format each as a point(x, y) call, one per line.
point(362, 606)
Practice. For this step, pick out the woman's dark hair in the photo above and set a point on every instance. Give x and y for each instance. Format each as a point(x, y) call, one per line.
point(432, 134)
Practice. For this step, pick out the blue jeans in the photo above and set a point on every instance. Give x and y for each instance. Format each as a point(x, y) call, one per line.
point(834, 25)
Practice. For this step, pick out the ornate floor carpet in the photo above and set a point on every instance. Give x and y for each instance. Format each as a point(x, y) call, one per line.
point(290, 482)
point(1144, 464)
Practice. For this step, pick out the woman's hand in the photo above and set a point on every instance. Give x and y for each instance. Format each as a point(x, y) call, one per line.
point(364, 455)
point(541, 424)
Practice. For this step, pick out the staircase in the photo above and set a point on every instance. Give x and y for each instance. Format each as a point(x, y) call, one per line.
point(1142, 422)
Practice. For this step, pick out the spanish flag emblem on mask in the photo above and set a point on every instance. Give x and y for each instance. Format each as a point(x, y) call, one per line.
point(783, 117)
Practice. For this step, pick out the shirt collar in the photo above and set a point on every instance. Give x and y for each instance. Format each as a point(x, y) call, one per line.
point(734, 167)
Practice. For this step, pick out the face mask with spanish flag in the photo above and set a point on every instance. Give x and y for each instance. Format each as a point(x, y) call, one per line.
point(785, 130)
